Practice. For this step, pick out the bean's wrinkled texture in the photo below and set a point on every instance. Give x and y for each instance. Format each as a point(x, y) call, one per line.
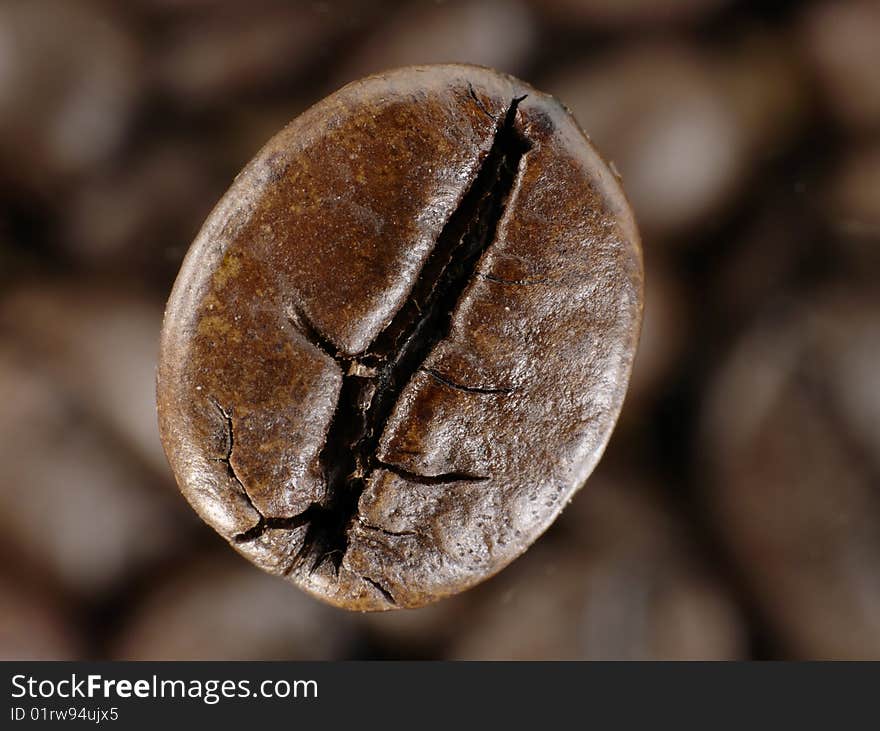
point(400, 342)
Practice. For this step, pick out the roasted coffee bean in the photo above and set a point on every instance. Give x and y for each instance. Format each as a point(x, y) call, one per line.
point(400, 342)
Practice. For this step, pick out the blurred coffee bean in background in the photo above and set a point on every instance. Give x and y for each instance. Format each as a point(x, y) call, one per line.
point(841, 42)
point(251, 49)
point(794, 465)
point(138, 215)
point(218, 607)
point(497, 33)
point(423, 633)
point(99, 343)
point(665, 330)
point(851, 204)
point(625, 14)
point(72, 500)
point(70, 79)
point(736, 513)
point(684, 126)
point(33, 626)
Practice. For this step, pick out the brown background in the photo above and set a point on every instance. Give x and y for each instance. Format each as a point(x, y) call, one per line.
point(737, 511)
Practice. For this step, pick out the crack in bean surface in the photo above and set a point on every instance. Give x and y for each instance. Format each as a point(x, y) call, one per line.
point(365, 403)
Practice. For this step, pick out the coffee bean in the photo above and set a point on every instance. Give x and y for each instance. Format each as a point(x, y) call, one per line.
point(400, 342)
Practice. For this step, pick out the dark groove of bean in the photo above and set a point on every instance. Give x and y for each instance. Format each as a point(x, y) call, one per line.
point(366, 403)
